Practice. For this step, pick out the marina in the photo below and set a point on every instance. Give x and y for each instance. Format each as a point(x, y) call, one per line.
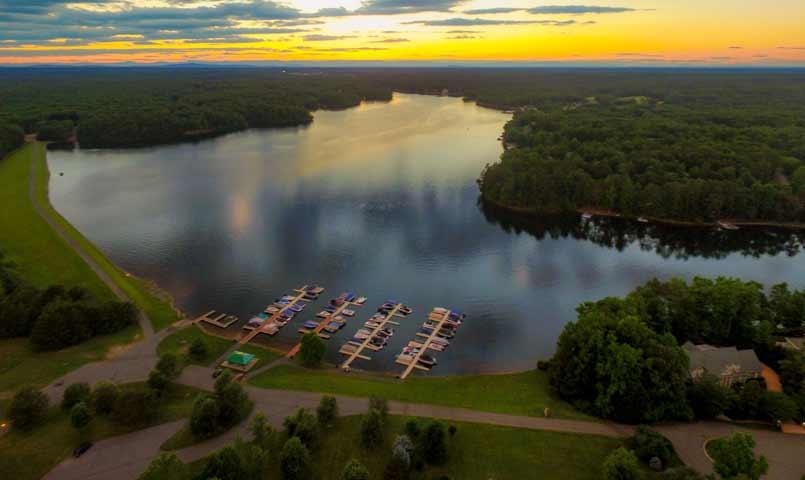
point(374, 336)
point(330, 320)
point(220, 320)
point(434, 335)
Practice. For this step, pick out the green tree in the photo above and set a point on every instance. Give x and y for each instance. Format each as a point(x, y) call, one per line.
point(75, 393)
point(261, 431)
point(372, 429)
point(232, 403)
point(28, 407)
point(104, 396)
point(303, 425)
point(204, 417)
point(708, 398)
point(354, 470)
point(168, 365)
point(224, 465)
point(735, 456)
point(380, 404)
point(434, 443)
point(158, 381)
point(327, 411)
point(198, 349)
point(80, 416)
point(649, 443)
point(621, 465)
point(295, 460)
point(253, 460)
point(166, 466)
point(312, 350)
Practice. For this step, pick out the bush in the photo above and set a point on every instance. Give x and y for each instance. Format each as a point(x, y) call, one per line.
point(327, 411)
point(399, 465)
point(372, 429)
point(80, 416)
point(204, 417)
point(133, 407)
point(157, 381)
point(412, 428)
point(28, 407)
point(103, 397)
point(381, 405)
point(232, 403)
point(621, 465)
point(434, 443)
point(649, 443)
point(166, 467)
point(75, 393)
point(168, 365)
point(355, 471)
point(708, 398)
point(735, 456)
point(312, 350)
point(303, 425)
point(224, 465)
point(295, 460)
point(198, 349)
point(778, 406)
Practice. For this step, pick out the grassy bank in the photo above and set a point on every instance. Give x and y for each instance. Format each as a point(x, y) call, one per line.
point(476, 452)
point(526, 393)
point(155, 304)
point(179, 343)
point(30, 455)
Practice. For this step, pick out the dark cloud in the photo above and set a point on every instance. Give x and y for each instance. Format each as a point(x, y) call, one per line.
point(577, 9)
point(395, 7)
point(492, 11)
point(317, 37)
point(391, 40)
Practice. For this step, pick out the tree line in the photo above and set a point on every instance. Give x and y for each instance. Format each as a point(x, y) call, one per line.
point(56, 317)
point(621, 359)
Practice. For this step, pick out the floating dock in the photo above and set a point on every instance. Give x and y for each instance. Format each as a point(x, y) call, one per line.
point(439, 316)
point(325, 320)
point(354, 350)
point(220, 320)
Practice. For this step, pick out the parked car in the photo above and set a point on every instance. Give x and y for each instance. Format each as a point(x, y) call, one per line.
point(82, 449)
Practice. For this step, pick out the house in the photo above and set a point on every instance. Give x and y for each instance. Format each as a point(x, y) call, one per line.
point(728, 364)
point(240, 361)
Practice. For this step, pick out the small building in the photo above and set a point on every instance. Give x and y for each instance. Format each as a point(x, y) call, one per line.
point(240, 361)
point(728, 364)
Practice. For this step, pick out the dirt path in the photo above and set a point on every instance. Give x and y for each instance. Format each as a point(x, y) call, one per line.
point(144, 321)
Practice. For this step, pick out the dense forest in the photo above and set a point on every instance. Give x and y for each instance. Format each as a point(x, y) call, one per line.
point(56, 317)
point(113, 107)
point(622, 358)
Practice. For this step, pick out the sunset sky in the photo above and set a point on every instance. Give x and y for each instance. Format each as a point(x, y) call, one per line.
point(632, 32)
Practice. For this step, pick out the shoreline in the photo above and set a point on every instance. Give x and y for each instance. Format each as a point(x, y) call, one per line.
point(759, 224)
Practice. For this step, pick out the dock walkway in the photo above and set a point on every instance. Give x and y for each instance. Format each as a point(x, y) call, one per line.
point(323, 323)
point(359, 347)
point(414, 362)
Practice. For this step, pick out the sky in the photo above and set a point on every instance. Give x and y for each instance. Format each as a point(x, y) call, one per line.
point(616, 32)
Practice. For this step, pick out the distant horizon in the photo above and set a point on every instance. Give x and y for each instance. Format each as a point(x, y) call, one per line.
point(514, 32)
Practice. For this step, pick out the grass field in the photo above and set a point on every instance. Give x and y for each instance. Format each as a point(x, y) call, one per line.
point(29, 455)
point(526, 393)
point(179, 343)
point(476, 452)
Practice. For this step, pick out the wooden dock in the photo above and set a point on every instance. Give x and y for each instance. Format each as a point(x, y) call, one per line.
point(323, 323)
point(214, 318)
point(357, 348)
point(414, 362)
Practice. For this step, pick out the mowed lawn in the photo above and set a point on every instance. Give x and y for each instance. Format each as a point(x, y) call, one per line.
point(179, 343)
point(30, 455)
point(476, 452)
point(526, 393)
point(42, 258)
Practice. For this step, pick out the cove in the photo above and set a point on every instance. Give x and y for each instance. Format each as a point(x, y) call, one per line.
point(380, 200)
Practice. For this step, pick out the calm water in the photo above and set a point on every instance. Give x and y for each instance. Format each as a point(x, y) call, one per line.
point(379, 200)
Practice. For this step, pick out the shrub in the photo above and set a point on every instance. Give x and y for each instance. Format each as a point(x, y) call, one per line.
point(204, 417)
point(327, 411)
point(75, 393)
point(303, 425)
point(80, 416)
point(168, 365)
point(232, 403)
point(734, 456)
point(778, 406)
point(295, 460)
point(103, 397)
point(355, 470)
point(158, 381)
point(649, 443)
point(261, 430)
point(412, 428)
point(27, 408)
point(312, 350)
point(372, 429)
point(224, 465)
point(379, 404)
point(166, 467)
point(434, 443)
point(708, 398)
point(621, 465)
point(198, 349)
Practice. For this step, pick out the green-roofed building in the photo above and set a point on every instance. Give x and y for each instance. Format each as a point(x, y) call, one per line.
point(241, 360)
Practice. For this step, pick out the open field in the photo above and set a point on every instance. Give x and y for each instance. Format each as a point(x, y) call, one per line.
point(525, 393)
point(476, 452)
point(29, 455)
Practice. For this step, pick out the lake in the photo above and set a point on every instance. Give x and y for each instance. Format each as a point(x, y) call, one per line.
point(380, 200)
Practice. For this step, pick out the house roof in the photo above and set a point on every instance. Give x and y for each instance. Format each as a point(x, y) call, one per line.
point(240, 358)
point(717, 360)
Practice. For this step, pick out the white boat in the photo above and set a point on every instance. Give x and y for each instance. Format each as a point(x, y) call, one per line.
point(728, 225)
point(348, 313)
point(361, 300)
point(586, 216)
point(642, 219)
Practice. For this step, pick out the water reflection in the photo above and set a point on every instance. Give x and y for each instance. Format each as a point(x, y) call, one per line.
point(664, 240)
